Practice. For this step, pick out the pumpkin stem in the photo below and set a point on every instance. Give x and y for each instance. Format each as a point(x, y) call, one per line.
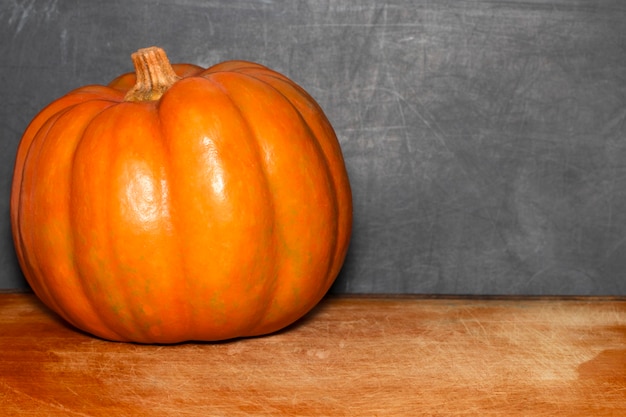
point(155, 75)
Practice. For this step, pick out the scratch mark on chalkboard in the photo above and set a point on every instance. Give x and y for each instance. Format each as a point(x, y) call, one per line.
point(394, 90)
point(363, 25)
point(24, 10)
point(433, 126)
point(63, 46)
point(390, 74)
point(616, 122)
point(615, 248)
point(20, 14)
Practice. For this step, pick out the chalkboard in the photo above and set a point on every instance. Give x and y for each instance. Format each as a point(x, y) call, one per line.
point(485, 139)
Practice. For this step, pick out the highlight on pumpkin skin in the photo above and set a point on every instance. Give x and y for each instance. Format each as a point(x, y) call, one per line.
point(224, 211)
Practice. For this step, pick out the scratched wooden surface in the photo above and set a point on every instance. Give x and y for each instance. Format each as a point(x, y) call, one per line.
point(350, 357)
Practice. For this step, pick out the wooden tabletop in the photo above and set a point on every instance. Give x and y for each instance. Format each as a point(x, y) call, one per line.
point(352, 356)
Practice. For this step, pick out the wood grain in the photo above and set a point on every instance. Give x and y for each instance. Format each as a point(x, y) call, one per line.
point(349, 357)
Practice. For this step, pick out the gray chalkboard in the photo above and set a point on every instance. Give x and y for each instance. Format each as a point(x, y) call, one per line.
point(485, 139)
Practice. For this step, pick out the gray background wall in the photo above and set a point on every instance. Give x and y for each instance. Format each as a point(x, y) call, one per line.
point(485, 140)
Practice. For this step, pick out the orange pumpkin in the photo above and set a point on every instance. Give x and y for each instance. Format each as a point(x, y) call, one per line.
point(181, 203)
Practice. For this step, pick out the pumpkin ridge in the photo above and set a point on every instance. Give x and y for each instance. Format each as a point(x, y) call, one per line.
point(185, 316)
point(76, 97)
point(97, 296)
point(235, 65)
point(174, 224)
point(311, 139)
point(38, 287)
point(82, 279)
point(148, 113)
point(64, 116)
point(283, 81)
point(262, 164)
point(204, 97)
point(320, 151)
point(261, 73)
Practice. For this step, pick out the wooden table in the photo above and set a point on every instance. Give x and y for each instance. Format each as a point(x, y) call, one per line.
point(352, 356)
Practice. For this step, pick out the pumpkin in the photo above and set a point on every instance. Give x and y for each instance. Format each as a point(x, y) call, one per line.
point(181, 204)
